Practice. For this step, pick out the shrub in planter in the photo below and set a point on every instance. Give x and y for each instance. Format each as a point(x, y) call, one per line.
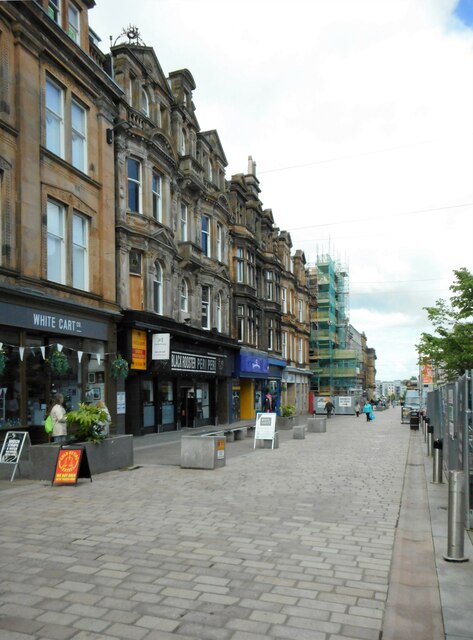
point(87, 423)
point(288, 411)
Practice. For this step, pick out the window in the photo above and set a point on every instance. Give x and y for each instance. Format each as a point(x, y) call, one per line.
point(67, 247)
point(80, 252)
point(300, 313)
point(73, 27)
point(251, 325)
point(268, 276)
point(56, 243)
point(144, 102)
point(205, 237)
point(134, 185)
point(78, 135)
point(300, 351)
point(75, 149)
point(284, 344)
point(240, 322)
point(205, 307)
point(183, 223)
point(135, 263)
point(184, 297)
point(270, 335)
point(239, 264)
point(218, 306)
point(284, 300)
point(54, 118)
point(251, 269)
point(158, 289)
point(183, 142)
point(156, 183)
point(219, 242)
point(54, 10)
point(210, 170)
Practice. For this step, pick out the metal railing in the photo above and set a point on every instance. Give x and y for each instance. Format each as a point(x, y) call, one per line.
point(449, 408)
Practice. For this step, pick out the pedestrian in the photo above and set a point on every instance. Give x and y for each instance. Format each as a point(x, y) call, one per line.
point(268, 403)
point(367, 410)
point(105, 423)
point(58, 416)
point(357, 409)
point(329, 408)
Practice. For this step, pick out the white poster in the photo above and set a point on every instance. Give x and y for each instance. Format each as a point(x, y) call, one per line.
point(160, 346)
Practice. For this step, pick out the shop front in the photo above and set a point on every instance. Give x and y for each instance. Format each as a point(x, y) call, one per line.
point(179, 378)
point(260, 377)
point(48, 351)
point(295, 386)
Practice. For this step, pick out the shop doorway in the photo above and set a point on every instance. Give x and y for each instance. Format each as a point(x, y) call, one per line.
point(187, 407)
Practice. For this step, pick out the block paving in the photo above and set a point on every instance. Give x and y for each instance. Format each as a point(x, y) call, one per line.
point(292, 543)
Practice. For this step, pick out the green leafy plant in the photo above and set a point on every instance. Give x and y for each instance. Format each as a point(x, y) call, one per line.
point(3, 361)
point(288, 411)
point(119, 368)
point(87, 423)
point(58, 363)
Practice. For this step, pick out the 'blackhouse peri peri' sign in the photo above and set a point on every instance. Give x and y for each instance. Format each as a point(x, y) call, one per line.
point(192, 362)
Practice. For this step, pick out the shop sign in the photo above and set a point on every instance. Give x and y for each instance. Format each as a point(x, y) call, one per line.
point(121, 402)
point(12, 448)
point(160, 346)
point(138, 349)
point(71, 463)
point(253, 364)
point(265, 427)
point(40, 320)
point(189, 362)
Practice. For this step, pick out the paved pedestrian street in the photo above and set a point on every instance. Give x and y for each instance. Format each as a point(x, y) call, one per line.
point(291, 543)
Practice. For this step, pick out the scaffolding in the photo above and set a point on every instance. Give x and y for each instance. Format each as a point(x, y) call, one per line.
point(334, 367)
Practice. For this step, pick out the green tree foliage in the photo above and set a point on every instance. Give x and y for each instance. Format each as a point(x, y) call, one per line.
point(450, 347)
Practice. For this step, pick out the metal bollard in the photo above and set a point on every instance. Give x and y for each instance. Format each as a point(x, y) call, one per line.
point(438, 462)
point(456, 517)
point(430, 439)
point(426, 423)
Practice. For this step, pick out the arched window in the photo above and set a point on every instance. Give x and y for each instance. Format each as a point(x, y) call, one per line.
point(183, 142)
point(218, 314)
point(158, 289)
point(184, 297)
point(144, 102)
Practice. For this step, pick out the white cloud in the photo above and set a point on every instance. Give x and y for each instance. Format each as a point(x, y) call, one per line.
point(366, 108)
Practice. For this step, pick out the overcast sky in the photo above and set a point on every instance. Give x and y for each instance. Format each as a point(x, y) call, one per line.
point(359, 115)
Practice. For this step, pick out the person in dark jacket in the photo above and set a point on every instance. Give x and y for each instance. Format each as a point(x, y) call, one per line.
point(329, 408)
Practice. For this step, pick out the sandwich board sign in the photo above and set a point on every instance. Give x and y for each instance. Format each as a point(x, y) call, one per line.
point(12, 449)
point(265, 427)
point(71, 463)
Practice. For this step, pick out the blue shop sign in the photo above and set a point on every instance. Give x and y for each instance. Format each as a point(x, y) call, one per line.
point(253, 364)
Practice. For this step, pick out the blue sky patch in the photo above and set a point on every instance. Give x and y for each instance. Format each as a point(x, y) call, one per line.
point(464, 12)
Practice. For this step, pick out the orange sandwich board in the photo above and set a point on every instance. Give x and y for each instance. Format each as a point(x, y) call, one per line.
point(71, 463)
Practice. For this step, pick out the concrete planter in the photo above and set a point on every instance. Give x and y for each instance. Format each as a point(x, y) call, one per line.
point(108, 455)
point(285, 423)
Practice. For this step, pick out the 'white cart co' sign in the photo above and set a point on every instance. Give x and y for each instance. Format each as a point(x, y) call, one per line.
point(265, 427)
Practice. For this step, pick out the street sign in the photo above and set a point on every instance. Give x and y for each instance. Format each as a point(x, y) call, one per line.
point(12, 448)
point(265, 427)
point(71, 463)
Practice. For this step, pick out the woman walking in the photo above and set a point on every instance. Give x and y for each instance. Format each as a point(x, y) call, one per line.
point(367, 409)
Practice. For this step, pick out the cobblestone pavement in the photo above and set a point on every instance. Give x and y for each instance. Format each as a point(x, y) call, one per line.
point(294, 543)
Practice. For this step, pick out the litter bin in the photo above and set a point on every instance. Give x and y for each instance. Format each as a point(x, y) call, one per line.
point(414, 420)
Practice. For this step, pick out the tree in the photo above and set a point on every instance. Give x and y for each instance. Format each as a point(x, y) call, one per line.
point(450, 347)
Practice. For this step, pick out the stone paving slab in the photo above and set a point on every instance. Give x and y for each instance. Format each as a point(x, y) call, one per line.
point(295, 542)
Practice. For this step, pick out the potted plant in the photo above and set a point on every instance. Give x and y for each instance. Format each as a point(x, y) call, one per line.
point(58, 363)
point(87, 423)
point(3, 361)
point(119, 368)
point(286, 419)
